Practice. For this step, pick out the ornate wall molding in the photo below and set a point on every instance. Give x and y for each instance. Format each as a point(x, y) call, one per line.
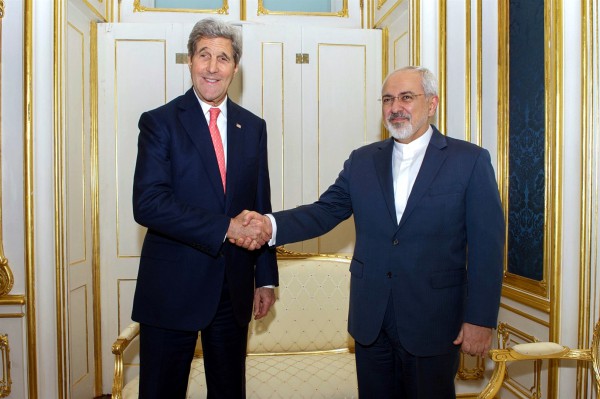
point(5, 382)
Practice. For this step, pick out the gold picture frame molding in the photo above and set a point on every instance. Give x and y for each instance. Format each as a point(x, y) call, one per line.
point(535, 293)
point(343, 13)
point(224, 10)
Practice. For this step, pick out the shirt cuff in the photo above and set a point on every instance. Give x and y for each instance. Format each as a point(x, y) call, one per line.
point(272, 241)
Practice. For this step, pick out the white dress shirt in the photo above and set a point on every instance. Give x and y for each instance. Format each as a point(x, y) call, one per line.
point(406, 162)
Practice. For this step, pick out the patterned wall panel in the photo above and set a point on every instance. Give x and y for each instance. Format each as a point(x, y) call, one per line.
point(526, 140)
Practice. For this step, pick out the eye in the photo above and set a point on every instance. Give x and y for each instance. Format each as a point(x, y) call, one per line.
point(407, 98)
point(387, 100)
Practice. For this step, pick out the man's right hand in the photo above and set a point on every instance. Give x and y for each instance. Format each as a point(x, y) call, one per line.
point(250, 230)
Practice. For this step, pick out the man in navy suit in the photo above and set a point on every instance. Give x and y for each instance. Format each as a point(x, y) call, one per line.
point(426, 273)
point(202, 160)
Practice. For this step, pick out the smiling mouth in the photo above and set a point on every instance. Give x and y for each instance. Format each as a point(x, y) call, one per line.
point(399, 119)
point(210, 80)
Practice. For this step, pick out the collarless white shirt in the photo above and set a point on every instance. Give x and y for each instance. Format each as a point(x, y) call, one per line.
point(221, 120)
point(406, 163)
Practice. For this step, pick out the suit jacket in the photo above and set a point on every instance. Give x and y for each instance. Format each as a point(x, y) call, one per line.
point(178, 196)
point(442, 264)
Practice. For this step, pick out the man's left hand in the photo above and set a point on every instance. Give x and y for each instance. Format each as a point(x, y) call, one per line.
point(264, 298)
point(474, 340)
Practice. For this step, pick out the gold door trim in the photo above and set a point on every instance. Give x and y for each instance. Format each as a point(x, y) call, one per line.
point(28, 200)
point(588, 311)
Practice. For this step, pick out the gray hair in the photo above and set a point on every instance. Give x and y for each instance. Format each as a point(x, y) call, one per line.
point(428, 79)
point(212, 28)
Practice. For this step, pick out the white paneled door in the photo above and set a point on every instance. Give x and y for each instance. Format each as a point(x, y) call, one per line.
point(316, 114)
point(317, 88)
point(76, 201)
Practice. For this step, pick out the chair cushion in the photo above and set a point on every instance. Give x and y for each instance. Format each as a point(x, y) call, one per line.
point(538, 348)
point(310, 376)
point(311, 311)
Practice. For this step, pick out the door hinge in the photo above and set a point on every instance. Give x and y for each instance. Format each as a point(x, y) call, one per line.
point(181, 58)
point(302, 58)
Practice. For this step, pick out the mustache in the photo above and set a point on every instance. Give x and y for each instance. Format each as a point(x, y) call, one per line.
point(395, 115)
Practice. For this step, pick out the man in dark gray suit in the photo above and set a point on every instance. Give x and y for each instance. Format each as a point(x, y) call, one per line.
point(427, 268)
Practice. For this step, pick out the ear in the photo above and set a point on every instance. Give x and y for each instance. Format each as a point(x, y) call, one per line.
point(189, 61)
point(433, 104)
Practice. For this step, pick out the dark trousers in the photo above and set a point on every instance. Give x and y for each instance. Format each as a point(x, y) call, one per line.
point(386, 370)
point(166, 357)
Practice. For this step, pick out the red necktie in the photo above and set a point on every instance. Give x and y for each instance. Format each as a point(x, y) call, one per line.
point(217, 143)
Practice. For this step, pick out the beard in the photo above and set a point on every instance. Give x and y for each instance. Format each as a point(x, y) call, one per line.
point(406, 130)
point(400, 131)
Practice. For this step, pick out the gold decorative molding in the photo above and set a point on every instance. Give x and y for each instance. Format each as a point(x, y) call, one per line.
point(343, 13)
point(13, 300)
point(283, 253)
point(414, 8)
point(470, 368)
point(6, 382)
point(1, 9)
point(28, 200)
point(224, 10)
point(380, 4)
point(590, 202)
point(6, 276)
point(442, 56)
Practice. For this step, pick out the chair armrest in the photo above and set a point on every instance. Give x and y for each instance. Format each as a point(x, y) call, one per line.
point(118, 348)
point(528, 351)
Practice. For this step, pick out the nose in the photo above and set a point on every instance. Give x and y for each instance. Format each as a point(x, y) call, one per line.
point(212, 65)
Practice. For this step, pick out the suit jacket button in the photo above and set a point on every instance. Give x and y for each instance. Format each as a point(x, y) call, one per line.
point(395, 242)
point(389, 274)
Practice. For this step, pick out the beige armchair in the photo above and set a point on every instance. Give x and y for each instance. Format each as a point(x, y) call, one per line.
point(536, 351)
point(300, 349)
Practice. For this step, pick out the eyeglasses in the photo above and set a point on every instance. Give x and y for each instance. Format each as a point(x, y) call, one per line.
point(404, 98)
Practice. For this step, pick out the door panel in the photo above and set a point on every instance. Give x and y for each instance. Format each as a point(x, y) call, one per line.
point(77, 206)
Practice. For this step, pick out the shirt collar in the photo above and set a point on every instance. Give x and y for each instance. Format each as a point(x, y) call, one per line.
point(206, 106)
point(416, 146)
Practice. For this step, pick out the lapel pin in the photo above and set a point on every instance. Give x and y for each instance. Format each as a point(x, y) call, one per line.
point(238, 125)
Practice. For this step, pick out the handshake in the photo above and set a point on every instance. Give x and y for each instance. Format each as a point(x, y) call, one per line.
point(250, 230)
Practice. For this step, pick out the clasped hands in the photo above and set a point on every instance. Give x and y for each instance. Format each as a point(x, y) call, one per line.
point(250, 230)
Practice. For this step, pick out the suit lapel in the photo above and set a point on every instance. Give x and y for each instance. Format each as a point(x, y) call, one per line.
point(194, 122)
point(433, 160)
point(383, 168)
